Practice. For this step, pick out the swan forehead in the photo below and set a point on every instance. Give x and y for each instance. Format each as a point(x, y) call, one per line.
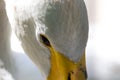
point(65, 23)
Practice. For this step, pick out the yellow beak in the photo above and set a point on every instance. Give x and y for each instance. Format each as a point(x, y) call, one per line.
point(64, 69)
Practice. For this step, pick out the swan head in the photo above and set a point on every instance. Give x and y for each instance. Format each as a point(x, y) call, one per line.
point(53, 33)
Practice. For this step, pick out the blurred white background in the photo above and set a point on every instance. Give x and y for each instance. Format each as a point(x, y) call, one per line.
point(103, 54)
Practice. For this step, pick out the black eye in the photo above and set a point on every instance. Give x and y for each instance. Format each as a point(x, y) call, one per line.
point(44, 40)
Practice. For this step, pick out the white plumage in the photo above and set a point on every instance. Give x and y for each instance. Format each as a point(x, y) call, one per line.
point(64, 22)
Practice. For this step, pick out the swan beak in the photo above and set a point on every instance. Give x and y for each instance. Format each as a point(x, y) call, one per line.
point(63, 68)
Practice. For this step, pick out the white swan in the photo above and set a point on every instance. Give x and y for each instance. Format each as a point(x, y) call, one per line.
point(54, 35)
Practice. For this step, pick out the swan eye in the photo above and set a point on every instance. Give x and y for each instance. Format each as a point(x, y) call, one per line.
point(44, 40)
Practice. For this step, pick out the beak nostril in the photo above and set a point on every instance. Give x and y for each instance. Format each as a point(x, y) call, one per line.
point(44, 40)
point(69, 76)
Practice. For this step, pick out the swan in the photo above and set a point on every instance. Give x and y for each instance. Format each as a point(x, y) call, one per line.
point(53, 33)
